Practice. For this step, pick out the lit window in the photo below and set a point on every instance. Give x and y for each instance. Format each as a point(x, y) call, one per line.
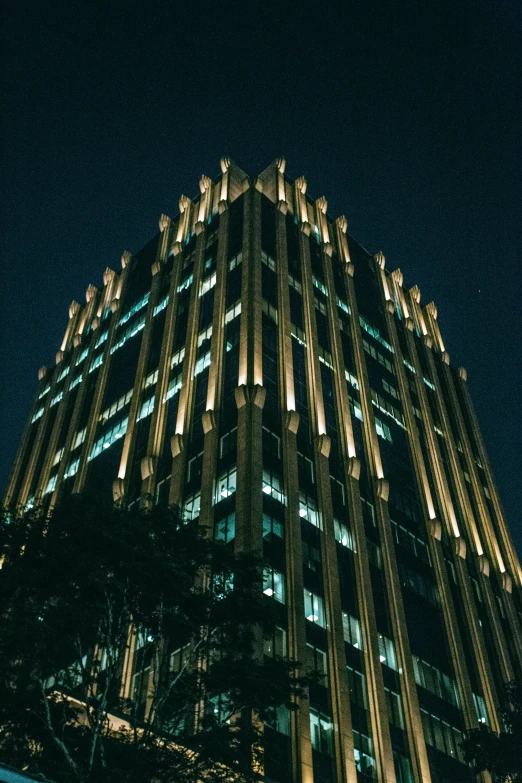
point(146, 409)
point(161, 305)
point(225, 485)
point(177, 358)
point(317, 663)
point(387, 652)
point(79, 438)
point(298, 334)
point(314, 608)
point(207, 284)
point(151, 379)
point(76, 381)
point(272, 527)
point(295, 284)
point(321, 730)
point(352, 631)
point(58, 456)
point(82, 356)
point(319, 284)
point(202, 363)
point(63, 374)
point(44, 392)
point(225, 529)
point(57, 398)
point(383, 431)
point(308, 510)
point(375, 333)
point(235, 261)
point(272, 485)
point(344, 535)
point(101, 339)
point(363, 755)
point(274, 584)
point(112, 435)
point(279, 719)
point(204, 335)
point(343, 306)
point(233, 311)
point(352, 380)
point(191, 507)
point(96, 362)
point(116, 406)
point(73, 468)
point(128, 333)
point(51, 484)
point(134, 309)
point(173, 387)
point(37, 415)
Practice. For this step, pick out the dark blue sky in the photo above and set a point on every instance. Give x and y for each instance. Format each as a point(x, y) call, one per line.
point(406, 115)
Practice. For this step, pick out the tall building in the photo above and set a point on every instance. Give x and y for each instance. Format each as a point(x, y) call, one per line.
point(257, 367)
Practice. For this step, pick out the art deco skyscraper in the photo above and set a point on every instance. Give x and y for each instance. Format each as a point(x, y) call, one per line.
point(257, 367)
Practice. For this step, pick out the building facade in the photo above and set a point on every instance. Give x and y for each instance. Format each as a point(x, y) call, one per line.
point(257, 367)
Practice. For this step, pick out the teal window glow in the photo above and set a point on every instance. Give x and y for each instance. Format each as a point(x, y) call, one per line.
point(352, 631)
point(96, 362)
point(314, 608)
point(37, 415)
point(274, 584)
point(128, 333)
point(134, 309)
point(146, 409)
point(110, 437)
point(63, 374)
point(57, 398)
point(82, 356)
point(161, 305)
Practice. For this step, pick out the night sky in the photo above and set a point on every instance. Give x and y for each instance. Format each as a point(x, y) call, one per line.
point(406, 116)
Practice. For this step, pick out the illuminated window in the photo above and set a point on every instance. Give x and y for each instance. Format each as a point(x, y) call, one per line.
point(63, 374)
point(343, 535)
point(191, 507)
point(225, 485)
point(146, 409)
point(383, 431)
point(202, 363)
point(233, 311)
point(151, 379)
point(343, 306)
point(110, 437)
point(57, 398)
point(79, 438)
point(207, 284)
point(96, 362)
point(131, 331)
point(51, 484)
point(58, 456)
point(269, 310)
point(387, 652)
point(352, 631)
point(321, 730)
point(308, 510)
point(161, 305)
point(173, 387)
point(314, 608)
point(44, 392)
point(272, 527)
point(225, 529)
point(204, 335)
point(235, 261)
point(73, 468)
point(274, 584)
point(76, 381)
point(108, 413)
point(275, 643)
point(134, 309)
point(272, 485)
point(82, 356)
point(37, 415)
point(101, 339)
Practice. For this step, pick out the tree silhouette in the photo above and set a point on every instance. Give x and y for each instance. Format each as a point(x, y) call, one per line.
point(131, 649)
point(499, 754)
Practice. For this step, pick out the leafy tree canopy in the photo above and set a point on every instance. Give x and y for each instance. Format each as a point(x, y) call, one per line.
point(499, 754)
point(131, 649)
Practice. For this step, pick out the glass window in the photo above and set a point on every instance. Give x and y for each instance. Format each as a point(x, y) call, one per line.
point(314, 608)
point(352, 631)
point(387, 652)
point(344, 535)
point(112, 435)
point(321, 730)
point(275, 643)
point(226, 484)
point(191, 507)
point(308, 510)
point(274, 584)
point(272, 527)
point(272, 485)
point(225, 528)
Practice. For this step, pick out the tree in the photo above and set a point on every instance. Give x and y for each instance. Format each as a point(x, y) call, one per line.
point(130, 649)
point(499, 754)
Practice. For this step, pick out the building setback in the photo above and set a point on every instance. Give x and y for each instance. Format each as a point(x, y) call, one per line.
point(257, 367)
